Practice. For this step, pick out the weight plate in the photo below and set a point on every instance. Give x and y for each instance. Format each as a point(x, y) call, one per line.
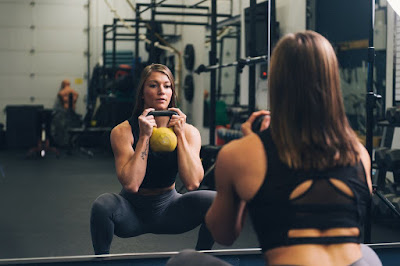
point(188, 57)
point(189, 88)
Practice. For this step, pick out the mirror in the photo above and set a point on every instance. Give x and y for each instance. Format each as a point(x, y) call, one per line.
point(46, 201)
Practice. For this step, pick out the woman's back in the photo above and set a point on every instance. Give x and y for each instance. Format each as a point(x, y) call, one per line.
point(306, 179)
point(307, 213)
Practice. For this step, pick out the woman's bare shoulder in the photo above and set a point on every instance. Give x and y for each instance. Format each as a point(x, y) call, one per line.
point(122, 129)
point(189, 128)
point(192, 131)
point(242, 151)
point(366, 159)
point(244, 161)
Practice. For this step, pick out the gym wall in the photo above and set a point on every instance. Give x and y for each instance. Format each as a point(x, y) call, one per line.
point(46, 41)
point(42, 42)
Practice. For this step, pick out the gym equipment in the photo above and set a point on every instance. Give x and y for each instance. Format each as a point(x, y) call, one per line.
point(113, 109)
point(162, 113)
point(240, 63)
point(43, 144)
point(397, 116)
point(380, 161)
point(62, 121)
point(189, 57)
point(256, 126)
point(150, 32)
point(387, 160)
point(163, 139)
point(22, 125)
point(380, 154)
point(392, 158)
point(208, 155)
point(386, 206)
point(2, 137)
point(391, 114)
point(228, 134)
point(371, 104)
point(189, 88)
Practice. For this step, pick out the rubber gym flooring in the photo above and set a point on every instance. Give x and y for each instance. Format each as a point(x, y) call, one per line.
point(45, 207)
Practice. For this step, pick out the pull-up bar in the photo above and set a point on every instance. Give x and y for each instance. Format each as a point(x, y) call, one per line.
point(152, 5)
point(240, 63)
point(148, 6)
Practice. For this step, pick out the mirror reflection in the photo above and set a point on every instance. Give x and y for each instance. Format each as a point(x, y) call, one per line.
point(72, 73)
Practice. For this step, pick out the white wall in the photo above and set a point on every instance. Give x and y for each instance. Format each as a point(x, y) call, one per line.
point(42, 42)
point(59, 41)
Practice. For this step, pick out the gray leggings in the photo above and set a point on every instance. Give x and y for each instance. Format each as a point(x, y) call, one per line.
point(194, 258)
point(369, 257)
point(128, 215)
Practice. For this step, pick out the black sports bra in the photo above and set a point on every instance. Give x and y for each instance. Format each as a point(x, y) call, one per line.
point(162, 167)
point(321, 206)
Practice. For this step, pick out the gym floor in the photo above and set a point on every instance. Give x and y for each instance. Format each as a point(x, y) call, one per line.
point(45, 208)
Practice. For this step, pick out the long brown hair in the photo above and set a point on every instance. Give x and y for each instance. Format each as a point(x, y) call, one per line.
point(308, 123)
point(139, 105)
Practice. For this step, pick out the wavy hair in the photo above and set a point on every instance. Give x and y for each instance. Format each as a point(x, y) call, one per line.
point(308, 123)
point(139, 105)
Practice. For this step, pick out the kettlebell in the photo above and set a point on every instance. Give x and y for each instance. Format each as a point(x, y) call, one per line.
point(256, 126)
point(163, 139)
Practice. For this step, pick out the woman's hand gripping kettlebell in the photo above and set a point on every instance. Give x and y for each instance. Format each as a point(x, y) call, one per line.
point(177, 122)
point(147, 122)
point(163, 139)
point(257, 121)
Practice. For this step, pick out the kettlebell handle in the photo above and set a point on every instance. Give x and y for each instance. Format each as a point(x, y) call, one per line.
point(163, 113)
point(256, 126)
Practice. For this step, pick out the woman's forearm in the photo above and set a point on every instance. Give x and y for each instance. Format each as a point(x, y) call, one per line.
point(133, 172)
point(191, 170)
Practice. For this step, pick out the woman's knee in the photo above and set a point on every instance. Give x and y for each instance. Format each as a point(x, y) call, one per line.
point(206, 198)
point(202, 197)
point(105, 204)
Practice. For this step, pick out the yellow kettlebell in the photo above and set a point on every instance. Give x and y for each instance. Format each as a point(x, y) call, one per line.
point(163, 139)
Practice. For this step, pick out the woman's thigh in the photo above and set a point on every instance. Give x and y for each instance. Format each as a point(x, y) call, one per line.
point(185, 211)
point(369, 257)
point(122, 214)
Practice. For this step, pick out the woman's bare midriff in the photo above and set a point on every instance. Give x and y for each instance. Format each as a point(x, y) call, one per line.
point(316, 254)
point(155, 191)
